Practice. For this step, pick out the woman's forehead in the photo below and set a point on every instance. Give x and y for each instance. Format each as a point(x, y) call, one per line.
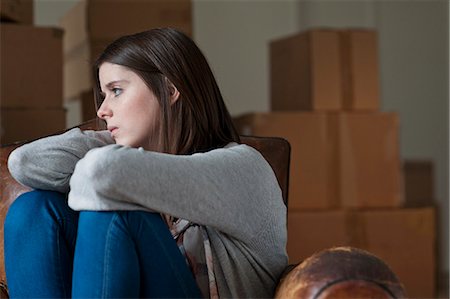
point(108, 68)
point(110, 72)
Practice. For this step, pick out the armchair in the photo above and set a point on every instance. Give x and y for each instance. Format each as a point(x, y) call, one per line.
point(337, 272)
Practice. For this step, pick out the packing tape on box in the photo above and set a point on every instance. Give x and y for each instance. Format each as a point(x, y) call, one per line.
point(345, 49)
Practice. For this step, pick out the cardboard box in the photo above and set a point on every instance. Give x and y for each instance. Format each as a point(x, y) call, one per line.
point(404, 238)
point(325, 70)
point(337, 159)
point(306, 71)
point(370, 172)
point(419, 183)
point(88, 109)
point(360, 69)
point(88, 30)
point(31, 67)
point(312, 178)
point(19, 11)
point(27, 124)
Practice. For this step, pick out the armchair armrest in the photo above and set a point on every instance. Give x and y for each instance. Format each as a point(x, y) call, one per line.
point(340, 272)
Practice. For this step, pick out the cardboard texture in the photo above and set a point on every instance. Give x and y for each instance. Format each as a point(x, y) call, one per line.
point(312, 182)
point(306, 72)
point(361, 85)
point(419, 183)
point(325, 70)
point(31, 67)
point(337, 159)
point(404, 238)
point(88, 30)
point(369, 159)
point(26, 124)
point(88, 109)
point(18, 11)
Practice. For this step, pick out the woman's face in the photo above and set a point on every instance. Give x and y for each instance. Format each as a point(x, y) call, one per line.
point(130, 109)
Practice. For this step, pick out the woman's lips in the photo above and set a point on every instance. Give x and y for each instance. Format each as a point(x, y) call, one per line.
point(112, 130)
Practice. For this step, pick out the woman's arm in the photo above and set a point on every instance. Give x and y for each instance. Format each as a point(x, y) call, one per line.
point(230, 189)
point(48, 163)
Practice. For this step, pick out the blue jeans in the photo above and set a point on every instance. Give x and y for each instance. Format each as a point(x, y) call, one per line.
point(54, 252)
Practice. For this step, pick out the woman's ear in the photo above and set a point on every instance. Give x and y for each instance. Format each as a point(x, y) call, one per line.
point(173, 92)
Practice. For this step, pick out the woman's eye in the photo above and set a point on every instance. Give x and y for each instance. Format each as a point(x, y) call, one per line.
point(117, 91)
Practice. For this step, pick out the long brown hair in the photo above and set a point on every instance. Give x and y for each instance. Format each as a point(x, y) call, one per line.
point(199, 120)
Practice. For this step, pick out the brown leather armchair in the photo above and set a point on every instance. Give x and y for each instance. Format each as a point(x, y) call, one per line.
point(333, 273)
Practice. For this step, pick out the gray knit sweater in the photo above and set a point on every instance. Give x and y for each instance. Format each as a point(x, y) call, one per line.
point(232, 191)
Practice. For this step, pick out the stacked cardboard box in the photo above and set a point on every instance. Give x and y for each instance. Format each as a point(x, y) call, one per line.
point(30, 80)
point(335, 162)
point(322, 70)
point(92, 24)
point(17, 11)
point(30, 77)
point(401, 237)
point(346, 180)
point(419, 183)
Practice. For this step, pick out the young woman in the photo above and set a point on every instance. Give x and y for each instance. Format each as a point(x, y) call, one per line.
point(165, 203)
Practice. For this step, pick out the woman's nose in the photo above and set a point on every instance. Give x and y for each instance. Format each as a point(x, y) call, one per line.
point(104, 111)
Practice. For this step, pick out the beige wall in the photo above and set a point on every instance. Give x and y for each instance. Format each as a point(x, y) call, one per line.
point(337, 14)
point(234, 36)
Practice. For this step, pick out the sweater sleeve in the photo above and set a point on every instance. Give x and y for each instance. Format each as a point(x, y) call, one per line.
point(229, 189)
point(48, 163)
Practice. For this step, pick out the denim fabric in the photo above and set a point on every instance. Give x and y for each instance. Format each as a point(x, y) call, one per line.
point(40, 232)
point(114, 254)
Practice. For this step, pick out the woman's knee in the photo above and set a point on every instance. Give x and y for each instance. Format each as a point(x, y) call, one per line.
point(37, 205)
point(128, 222)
